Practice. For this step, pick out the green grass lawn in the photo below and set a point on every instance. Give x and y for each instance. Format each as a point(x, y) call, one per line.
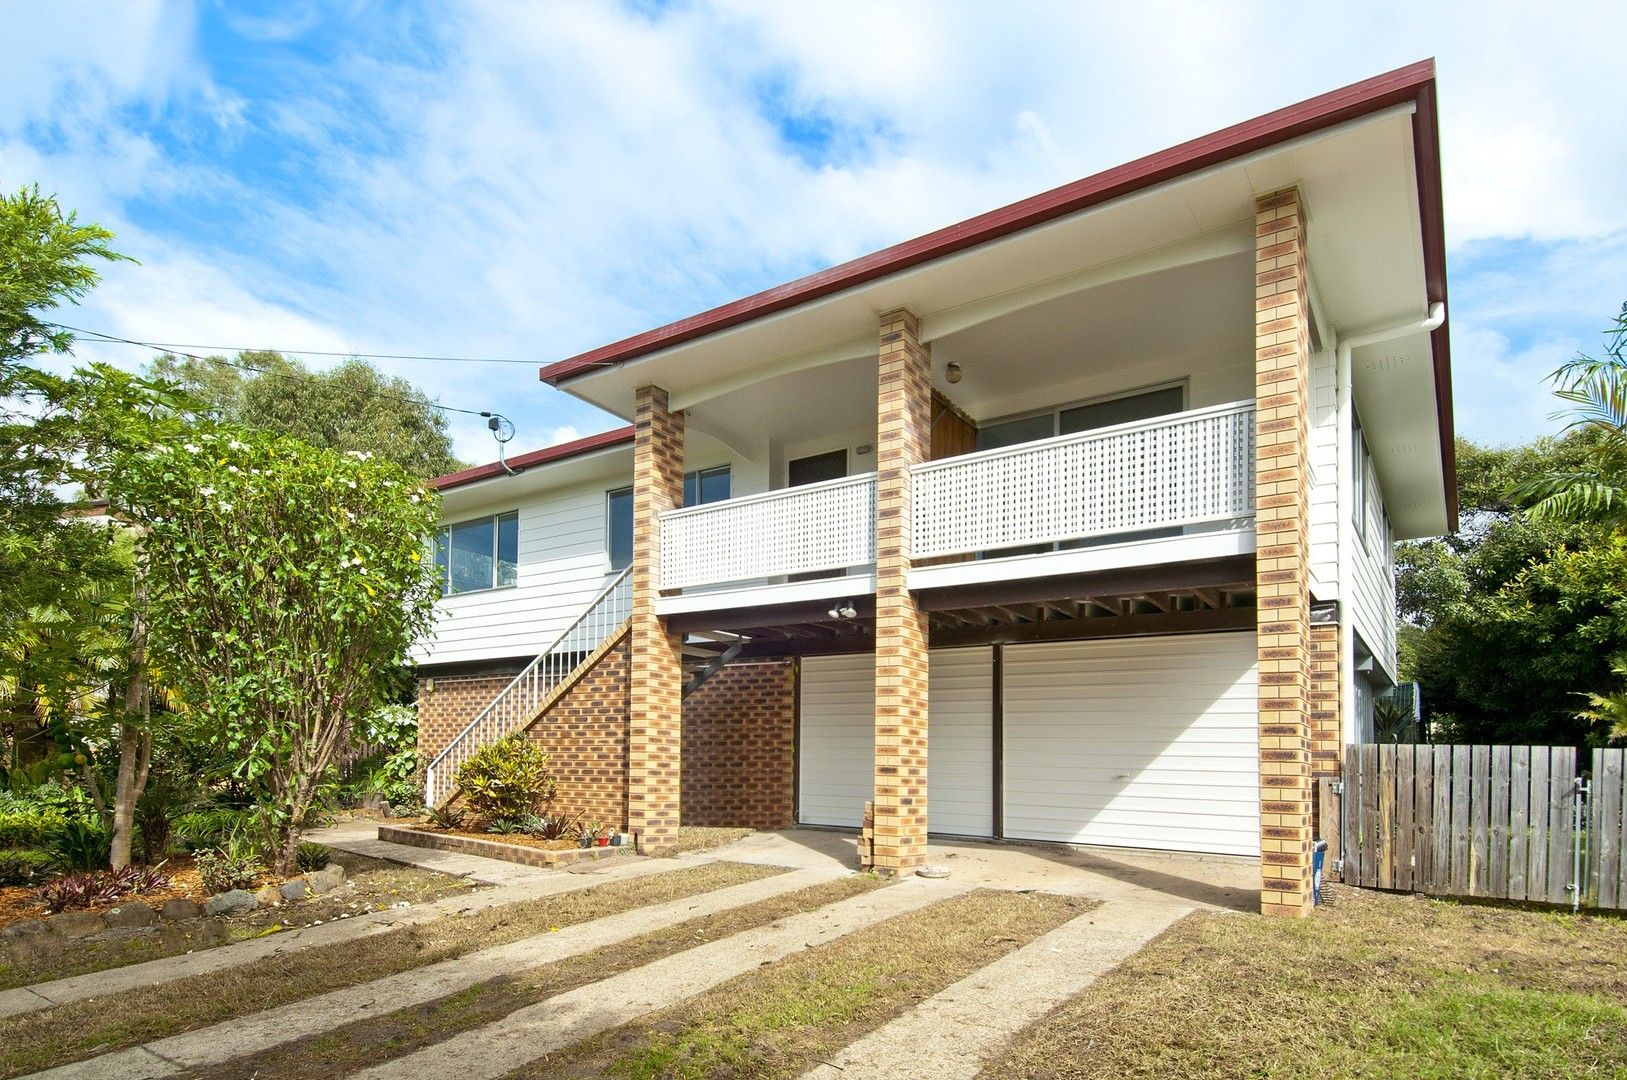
point(1373, 985)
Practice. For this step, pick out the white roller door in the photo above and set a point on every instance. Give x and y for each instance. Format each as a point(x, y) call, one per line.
point(960, 742)
point(835, 757)
point(1137, 742)
point(837, 722)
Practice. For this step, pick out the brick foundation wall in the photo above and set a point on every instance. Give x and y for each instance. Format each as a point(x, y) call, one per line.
point(738, 754)
point(585, 737)
point(448, 708)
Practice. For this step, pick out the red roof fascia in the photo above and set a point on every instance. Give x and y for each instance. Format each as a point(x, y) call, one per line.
point(1410, 83)
point(546, 455)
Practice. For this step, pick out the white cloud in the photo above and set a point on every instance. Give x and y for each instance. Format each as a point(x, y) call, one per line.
point(530, 180)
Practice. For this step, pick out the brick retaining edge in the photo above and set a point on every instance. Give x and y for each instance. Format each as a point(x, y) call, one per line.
point(493, 849)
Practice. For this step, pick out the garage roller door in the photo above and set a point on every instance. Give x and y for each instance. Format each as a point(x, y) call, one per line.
point(837, 741)
point(1137, 742)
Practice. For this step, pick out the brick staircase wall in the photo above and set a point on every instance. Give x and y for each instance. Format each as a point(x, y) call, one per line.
point(738, 740)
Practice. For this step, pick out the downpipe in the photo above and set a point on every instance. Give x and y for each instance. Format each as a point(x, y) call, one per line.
point(1345, 407)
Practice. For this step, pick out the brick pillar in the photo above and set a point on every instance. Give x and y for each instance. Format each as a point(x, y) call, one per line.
point(903, 437)
point(655, 707)
point(1282, 500)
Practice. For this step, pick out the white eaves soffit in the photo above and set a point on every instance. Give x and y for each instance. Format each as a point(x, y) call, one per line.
point(1365, 247)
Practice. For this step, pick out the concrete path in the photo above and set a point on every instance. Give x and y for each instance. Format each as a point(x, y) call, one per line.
point(313, 1016)
point(361, 838)
point(955, 1033)
point(537, 884)
point(497, 1049)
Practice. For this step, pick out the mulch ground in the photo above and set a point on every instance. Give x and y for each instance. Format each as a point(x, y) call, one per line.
point(370, 884)
point(18, 902)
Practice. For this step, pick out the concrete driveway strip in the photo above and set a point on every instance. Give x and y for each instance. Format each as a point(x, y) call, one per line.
point(497, 1049)
point(955, 1033)
point(25, 999)
point(314, 1016)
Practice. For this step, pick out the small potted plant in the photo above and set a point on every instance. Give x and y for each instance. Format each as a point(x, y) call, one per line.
point(617, 838)
point(589, 831)
point(603, 835)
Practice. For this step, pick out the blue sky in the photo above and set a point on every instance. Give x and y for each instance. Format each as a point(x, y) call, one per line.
point(528, 180)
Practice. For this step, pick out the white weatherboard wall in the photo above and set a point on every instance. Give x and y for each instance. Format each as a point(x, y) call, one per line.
point(562, 566)
point(1372, 588)
point(1325, 477)
point(1135, 742)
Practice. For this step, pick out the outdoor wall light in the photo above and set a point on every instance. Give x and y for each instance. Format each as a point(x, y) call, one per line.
point(952, 373)
point(844, 610)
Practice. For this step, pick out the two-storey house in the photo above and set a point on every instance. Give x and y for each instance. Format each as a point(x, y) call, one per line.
point(1070, 522)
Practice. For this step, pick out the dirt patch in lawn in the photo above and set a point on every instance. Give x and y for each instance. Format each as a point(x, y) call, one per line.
point(1371, 985)
point(370, 885)
point(786, 1017)
point(81, 1029)
point(368, 1042)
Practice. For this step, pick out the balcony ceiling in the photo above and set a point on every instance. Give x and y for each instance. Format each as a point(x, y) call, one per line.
point(1152, 271)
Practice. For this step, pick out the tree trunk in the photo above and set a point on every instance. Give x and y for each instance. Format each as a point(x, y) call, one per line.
point(135, 755)
point(135, 743)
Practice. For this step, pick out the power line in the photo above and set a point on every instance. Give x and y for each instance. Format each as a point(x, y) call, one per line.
point(99, 336)
point(176, 347)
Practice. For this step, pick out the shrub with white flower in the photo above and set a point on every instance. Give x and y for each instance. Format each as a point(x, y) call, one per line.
point(285, 582)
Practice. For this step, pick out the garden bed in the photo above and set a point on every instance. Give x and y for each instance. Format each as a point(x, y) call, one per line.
point(370, 885)
point(20, 902)
point(510, 847)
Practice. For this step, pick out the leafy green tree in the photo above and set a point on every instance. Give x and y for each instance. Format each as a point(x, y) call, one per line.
point(1595, 489)
point(353, 406)
point(1506, 622)
point(73, 679)
point(284, 583)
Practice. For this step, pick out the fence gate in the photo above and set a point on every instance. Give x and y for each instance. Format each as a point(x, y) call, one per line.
point(1489, 821)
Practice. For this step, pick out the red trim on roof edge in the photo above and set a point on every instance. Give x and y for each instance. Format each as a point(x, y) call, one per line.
point(1358, 99)
point(545, 456)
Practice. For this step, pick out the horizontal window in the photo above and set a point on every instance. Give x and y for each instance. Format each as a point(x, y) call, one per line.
point(479, 554)
point(700, 486)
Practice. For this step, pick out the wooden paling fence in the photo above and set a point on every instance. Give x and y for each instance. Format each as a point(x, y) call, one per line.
point(1480, 821)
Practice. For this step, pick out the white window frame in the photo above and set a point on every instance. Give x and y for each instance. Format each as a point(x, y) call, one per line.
point(443, 542)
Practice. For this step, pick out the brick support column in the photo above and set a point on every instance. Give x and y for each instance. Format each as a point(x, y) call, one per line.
point(655, 707)
point(1282, 501)
point(903, 438)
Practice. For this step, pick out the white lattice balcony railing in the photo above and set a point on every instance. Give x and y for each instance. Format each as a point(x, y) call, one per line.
point(826, 526)
point(1191, 468)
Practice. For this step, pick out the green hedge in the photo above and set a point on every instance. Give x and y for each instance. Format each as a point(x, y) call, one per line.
point(30, 827)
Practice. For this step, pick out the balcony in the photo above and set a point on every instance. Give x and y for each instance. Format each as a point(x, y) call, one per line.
point(800, 530)
point(1191, 472)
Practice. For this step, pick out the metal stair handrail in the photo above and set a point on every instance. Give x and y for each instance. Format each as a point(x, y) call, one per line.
point(519, 701)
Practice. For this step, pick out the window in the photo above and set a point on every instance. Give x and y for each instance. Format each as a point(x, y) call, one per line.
point(479, 554)
point(700, 486)
point(1077, 418)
